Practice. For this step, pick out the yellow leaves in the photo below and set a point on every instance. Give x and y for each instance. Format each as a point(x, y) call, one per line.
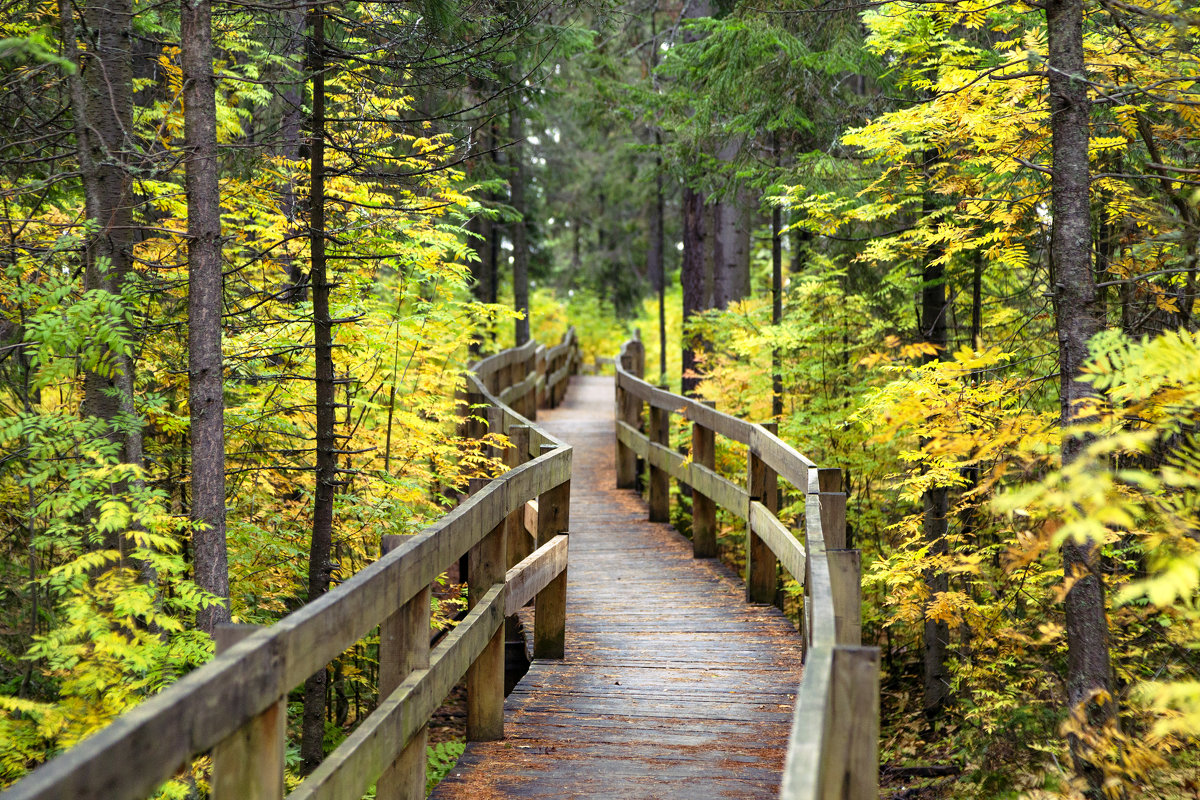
point(1051, 632)
point(917, 349)
point(949, 607)
point(1176, 705)
point(872, 360)
point(1166, 302)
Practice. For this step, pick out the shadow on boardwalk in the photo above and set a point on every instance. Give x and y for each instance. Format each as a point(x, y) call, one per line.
point(672, 686)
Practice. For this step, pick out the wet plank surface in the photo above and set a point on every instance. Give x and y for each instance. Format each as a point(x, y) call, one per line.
point(672, 686)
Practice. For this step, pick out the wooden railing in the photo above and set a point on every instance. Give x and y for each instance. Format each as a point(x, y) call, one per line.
point(530, 376)
point(235, 706)
point(833, 752)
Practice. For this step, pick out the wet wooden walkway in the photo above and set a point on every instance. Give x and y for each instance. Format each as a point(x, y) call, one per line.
point(672, 686)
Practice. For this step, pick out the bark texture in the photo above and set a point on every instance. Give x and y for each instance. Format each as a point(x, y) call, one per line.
point(1089, 679)
point(731, 239)
point(935, 501)
point(313, 725)
point(520, 242)
point(102, 107)
point(206, 400)
point(693, 277)
point(655, 261)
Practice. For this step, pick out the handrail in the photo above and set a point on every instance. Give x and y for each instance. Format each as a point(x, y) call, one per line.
point(833, 750)
point(235, 704)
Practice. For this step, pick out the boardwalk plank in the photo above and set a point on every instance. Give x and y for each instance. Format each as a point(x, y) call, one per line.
point(672, 687)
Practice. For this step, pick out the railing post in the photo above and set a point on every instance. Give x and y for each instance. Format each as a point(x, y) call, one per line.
point(639, 354)
point(845, 580)
point(485, 677)
point(404, 647)
point(833, 507)
point(845, 566)
point(519, 543)
point(529, 400)
point(626, 457)
point(248, 764)
point(762, 568)
point(495, 424)
point(851, 770)
point(539, 367)
point(629, 411)
point(550, 605)
point(704, 510)
point(660, 479)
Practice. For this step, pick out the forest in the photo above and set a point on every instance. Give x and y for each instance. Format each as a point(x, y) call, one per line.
point(951, 246)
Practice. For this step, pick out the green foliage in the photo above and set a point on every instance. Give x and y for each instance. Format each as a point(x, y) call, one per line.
point(117, 604)
point(440, 759)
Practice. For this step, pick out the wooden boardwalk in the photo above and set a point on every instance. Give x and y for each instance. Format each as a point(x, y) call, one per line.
point(672, 686)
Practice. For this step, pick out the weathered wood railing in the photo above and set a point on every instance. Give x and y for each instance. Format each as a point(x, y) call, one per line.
point(530, 376)
point(833, 750)
point(235, 706)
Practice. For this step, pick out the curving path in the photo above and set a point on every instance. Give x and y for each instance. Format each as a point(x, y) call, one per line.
point(672, 686)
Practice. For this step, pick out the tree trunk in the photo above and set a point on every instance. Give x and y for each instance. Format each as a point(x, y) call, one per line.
point(692, 276)
point(481, 226)
point(313, 731)
point(731, 240)
point(496, 230)
point(516, 133)
point(656, 258)
point(935, 500)
point(776, 296)
point(101, 98)
point(292, 147)
point(1089, 679)
point(731, 251)
point(696, 271)
point(205, 377)
point(101, 92)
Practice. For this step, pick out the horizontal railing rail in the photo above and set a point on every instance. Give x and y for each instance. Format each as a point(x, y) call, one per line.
point(833, 751)
point(512, 531)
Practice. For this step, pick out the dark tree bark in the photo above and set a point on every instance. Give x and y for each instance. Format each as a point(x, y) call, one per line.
point(656, 260)
point(696, 269)
point(481, 226)
point(101, 91)
point(693, 277)
point(313, 727)
point(291, 146)
point(655, 257)
point(205, 378)
point(935, 501)
point(516, 133)
point(1089, 678)
point(497, 230)
point(776, 295)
